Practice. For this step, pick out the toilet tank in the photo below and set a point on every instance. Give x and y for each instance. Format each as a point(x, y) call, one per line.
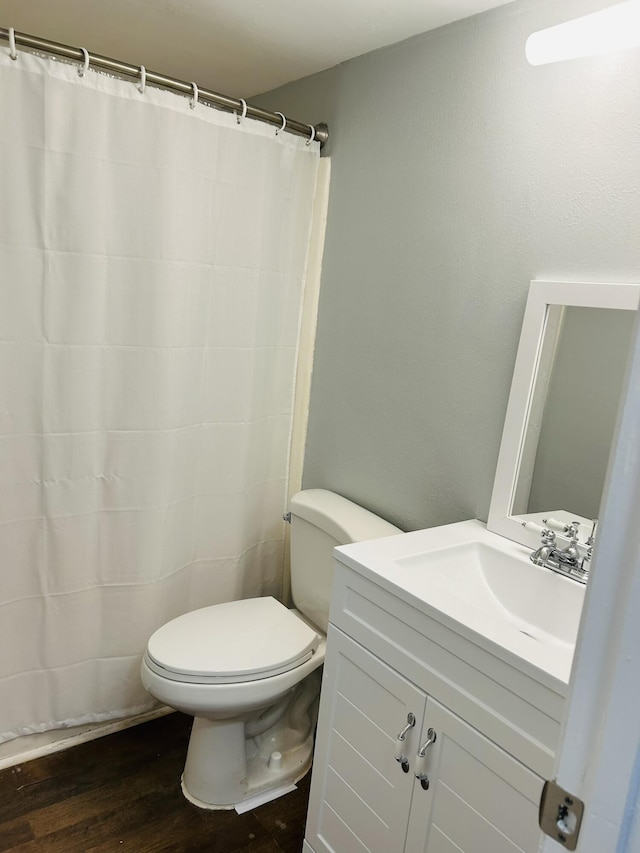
point(320, 520)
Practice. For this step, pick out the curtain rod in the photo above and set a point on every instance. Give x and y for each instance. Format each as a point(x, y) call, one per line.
point(163, 82)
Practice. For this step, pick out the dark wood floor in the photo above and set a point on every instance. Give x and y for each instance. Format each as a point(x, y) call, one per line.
point(122, 793)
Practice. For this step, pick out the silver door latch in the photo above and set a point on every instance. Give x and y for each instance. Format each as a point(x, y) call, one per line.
point(560, 815)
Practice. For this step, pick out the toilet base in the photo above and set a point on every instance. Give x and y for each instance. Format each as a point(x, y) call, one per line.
point(266, 795)
point(231, 761)
point(270, 767)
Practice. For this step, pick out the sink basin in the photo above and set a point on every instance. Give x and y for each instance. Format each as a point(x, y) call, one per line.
point(484, 587)
point(502, 586)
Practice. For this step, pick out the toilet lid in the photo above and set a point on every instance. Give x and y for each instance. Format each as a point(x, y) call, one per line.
point(237, 641)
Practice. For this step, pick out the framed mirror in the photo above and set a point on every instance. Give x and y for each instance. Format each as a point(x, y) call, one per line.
point(565, 395)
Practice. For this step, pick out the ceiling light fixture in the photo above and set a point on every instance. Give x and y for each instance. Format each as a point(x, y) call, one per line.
point(615, 28)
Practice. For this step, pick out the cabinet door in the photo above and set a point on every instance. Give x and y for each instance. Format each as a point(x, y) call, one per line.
point(479, 800)
point(360, 796)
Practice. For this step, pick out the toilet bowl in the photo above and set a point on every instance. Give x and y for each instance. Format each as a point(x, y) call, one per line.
point(241, 670)
point(249, 671)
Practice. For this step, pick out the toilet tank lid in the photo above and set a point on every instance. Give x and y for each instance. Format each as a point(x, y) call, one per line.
point(342, 519)
point(235, 641)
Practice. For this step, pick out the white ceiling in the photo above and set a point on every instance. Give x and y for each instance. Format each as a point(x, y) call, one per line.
point(236, 47)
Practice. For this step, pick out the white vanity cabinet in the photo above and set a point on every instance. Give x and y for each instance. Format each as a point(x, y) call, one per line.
point(495, 734)
point(362, 797)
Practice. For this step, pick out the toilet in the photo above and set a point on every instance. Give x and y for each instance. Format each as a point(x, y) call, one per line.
point(249, 671)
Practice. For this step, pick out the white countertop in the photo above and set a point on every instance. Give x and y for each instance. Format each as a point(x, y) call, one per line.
point(460, 575)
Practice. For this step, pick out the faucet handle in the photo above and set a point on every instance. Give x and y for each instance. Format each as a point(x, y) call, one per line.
point(592, 536)
point(584, 564)
point(548, 536)
point(573, 530)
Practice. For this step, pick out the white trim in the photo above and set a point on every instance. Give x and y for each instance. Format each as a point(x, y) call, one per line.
point(554, 323)
point(542, 294)
point(61, 739)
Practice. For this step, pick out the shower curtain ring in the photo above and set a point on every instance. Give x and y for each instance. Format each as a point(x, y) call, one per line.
point(13, 53)
point(143, 79)
point(194, 96)
point(312, 135)
point(283, 125)
point(85, 67)
point(244, 110)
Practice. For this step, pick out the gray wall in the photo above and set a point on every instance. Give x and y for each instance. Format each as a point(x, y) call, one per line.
point(459, 173)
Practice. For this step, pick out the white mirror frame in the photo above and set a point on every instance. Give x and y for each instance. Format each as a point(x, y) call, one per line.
point(529, 360)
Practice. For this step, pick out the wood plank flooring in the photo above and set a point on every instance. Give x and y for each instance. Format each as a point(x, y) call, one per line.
point(122, 793)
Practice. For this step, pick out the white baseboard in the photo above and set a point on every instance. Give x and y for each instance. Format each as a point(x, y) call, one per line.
point(36, 746)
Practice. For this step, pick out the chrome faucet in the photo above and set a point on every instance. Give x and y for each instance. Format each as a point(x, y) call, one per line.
point(570, 556)
point(542, 554)
point(566, 561)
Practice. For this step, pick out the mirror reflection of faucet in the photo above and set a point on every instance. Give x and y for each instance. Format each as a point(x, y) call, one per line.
point(571, 561)
point(559, 526)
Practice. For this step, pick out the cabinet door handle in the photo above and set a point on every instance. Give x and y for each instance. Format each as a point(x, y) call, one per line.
point(399, 755)
point(421, 759)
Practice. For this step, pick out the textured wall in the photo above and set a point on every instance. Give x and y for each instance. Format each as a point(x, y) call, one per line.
point(459, 173)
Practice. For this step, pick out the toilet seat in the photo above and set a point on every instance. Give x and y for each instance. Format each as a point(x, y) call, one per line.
point(234, 642)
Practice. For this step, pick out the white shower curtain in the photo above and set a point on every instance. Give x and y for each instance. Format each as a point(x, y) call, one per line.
point(152, 259)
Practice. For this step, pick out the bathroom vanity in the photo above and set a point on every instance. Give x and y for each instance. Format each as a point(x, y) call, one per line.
point(487, 700)
point(450, 649)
